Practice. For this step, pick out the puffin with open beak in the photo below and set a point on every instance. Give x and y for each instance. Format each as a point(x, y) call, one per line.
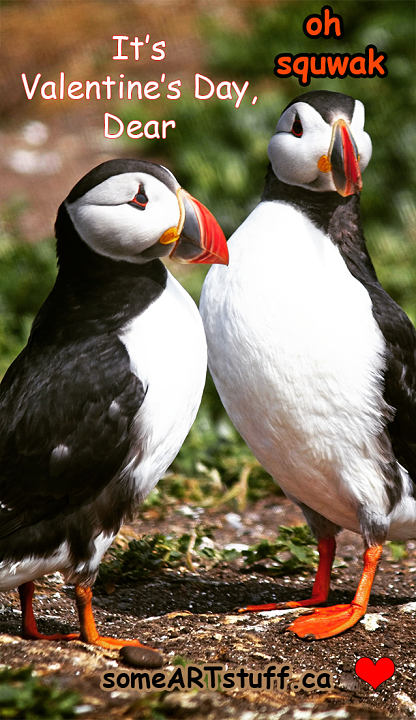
point(97, 405)
point(313, 360)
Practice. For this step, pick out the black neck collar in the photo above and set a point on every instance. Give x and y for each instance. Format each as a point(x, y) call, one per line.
point(318, 206)
point(339, 217)
point(93, 294)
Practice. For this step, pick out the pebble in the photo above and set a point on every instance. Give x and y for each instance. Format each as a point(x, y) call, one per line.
point(371, 621)
point(234, 520)
point(81, 709)
point(407, 703)
point(238, 547)
point(410, 607)
point(350, 682)
point(141, 657)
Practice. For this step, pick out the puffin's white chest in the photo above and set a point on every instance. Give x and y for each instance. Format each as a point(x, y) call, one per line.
point(167, 350)
point(297, 355)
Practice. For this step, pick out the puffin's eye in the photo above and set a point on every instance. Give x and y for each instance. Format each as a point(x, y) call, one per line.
point(297, 129)
point(140, 200)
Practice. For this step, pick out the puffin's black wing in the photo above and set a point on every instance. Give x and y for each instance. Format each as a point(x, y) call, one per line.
point(399, 334)
point(400, 376)
point(65, 419)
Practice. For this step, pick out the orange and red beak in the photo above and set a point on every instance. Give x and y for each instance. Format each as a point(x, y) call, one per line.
point(343, 156)
point(198, 237)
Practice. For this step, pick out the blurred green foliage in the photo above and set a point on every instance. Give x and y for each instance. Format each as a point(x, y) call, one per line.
point(27, 275)
point(398, 550)
point(216, 451)
point(23, 695)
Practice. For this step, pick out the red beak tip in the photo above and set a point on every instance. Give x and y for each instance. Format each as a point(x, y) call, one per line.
point(210, 245)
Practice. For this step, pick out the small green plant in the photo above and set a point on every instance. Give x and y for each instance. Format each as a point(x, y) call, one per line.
point(293, 550)
point(23, 695)
point(181, 660)
point(152, 554)
point(150, 706)
point(397, 549)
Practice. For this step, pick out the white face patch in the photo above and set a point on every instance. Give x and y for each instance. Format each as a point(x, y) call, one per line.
point(111, 227)
point(362, 139)
point(295, 159)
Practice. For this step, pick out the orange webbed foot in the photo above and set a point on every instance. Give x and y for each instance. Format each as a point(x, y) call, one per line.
point(116, 643)
point(290, 604)
point(34, 634)
point(330, 621)
point(327, 622)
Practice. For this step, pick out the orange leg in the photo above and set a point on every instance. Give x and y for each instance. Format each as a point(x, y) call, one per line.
point(29, 628)
point(89, 632)
point(327, 622)
point(320, 590)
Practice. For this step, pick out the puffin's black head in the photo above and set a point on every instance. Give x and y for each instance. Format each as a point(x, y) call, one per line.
point(135, 211)
point(320, 143)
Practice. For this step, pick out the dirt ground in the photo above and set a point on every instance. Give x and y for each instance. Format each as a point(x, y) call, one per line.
point(192, 615)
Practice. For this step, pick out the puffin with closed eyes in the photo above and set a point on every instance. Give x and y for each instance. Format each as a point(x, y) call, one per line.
point(97, 405)
point(313, 360)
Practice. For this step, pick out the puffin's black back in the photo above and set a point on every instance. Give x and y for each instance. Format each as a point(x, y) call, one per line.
point(67, 404)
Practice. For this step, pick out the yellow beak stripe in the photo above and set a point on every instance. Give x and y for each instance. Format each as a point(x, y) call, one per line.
point(172, 234)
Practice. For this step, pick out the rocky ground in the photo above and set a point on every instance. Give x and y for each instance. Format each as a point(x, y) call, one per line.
point(191, 616)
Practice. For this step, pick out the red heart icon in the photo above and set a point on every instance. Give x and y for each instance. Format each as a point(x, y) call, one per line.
point(374, 673)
